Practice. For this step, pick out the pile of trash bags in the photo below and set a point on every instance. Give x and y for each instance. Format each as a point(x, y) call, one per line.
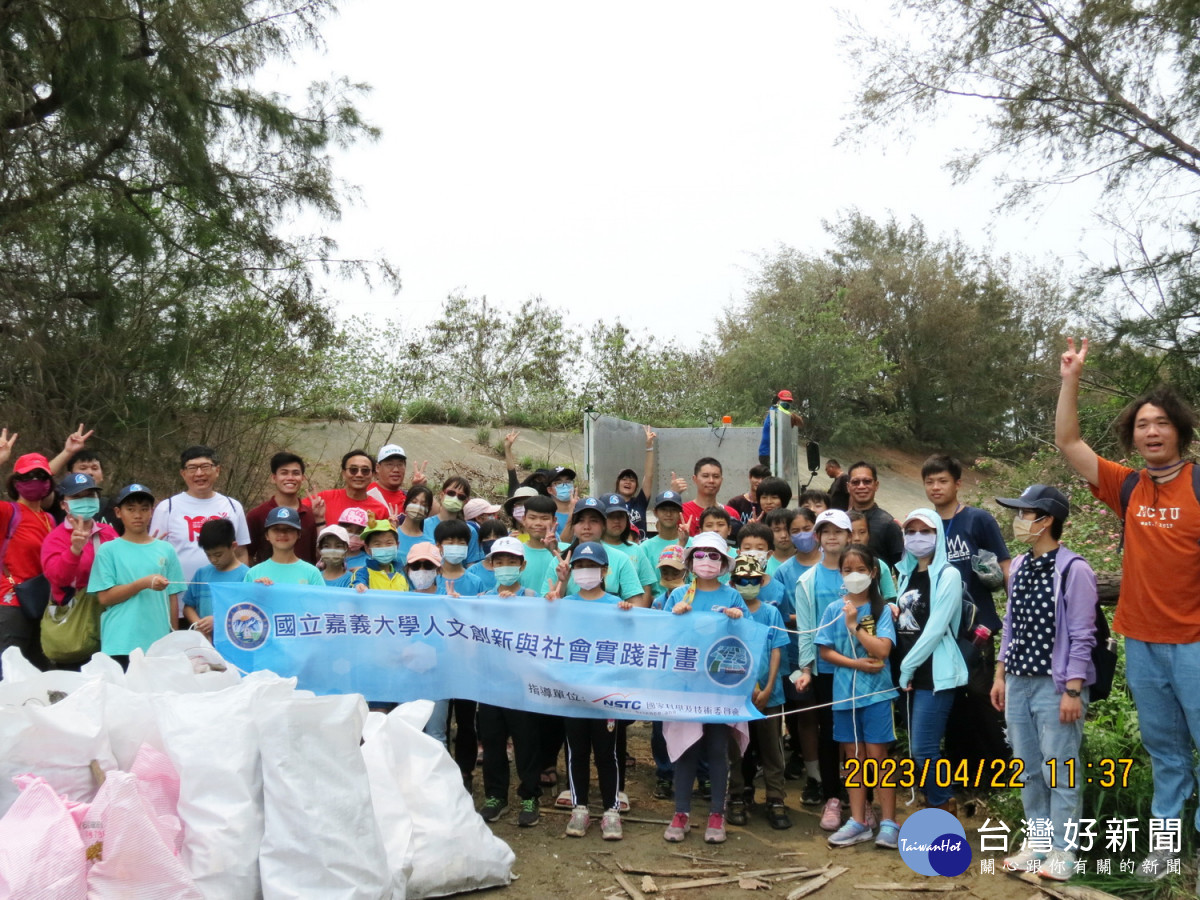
point(182, 779)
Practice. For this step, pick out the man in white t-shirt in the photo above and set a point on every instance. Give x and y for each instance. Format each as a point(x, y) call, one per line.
point(178, 519)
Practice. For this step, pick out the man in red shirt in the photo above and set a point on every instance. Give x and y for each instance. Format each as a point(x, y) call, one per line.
point(707, 476)
point(388, 488)
point(1160, 568)
point(287, 476)
point(358, 469)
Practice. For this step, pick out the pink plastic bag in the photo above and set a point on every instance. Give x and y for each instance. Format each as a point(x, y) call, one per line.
point(158, 783)
point(134, 859)
point(42, 855)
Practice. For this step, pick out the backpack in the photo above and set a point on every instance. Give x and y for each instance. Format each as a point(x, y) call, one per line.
point(978, 672)
point(1104, 653)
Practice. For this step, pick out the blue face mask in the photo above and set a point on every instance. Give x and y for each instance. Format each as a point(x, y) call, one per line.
point(804, 542)
point(84, 507)
point(563, 491)
point(507, 574)
point(454, 553)
point(384, 555)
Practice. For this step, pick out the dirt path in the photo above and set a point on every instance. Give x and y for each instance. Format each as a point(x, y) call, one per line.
point(552, 865)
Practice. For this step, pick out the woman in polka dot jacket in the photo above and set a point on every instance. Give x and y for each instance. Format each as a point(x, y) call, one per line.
point(1043, 672)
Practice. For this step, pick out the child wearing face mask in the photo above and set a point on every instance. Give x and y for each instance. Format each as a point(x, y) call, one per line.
point(411, 530)
point(856, 638)
point(562, 492)
point(593, 737)
point(456, 491)
point(750, 579)
point(355, 520)
point(453, 538)
point(380, 572)
point(689, 742)
point(333, 544)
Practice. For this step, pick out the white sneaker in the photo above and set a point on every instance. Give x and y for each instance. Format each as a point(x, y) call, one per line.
point(580, 820)
point(1023, 859)
point(1059, 865)
point(610, 825)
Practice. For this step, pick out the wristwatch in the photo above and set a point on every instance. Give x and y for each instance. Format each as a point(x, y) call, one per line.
point(1071, 692)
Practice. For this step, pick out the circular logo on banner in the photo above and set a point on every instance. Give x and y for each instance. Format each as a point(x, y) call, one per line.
point(728, 662)
point(933, 842)
point(247, 626)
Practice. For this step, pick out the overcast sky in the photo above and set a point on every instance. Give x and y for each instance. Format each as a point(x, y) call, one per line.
point(629, 159)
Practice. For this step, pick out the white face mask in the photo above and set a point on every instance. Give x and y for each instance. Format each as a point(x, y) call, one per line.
point(416, 511)
point(587, 579)
point(333, 555)
point(422, 578)
point(920, 543)
point(856, 582)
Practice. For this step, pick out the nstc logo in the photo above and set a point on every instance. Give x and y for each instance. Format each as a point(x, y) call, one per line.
point(933, 842)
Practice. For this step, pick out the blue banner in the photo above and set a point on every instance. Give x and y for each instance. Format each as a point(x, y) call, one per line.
point(567, 658)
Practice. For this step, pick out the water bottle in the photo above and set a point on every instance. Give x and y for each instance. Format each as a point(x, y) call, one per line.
point(983, 634)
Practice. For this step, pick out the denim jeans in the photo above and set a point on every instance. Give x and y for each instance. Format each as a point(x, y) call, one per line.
point(1164, 679)
point(439, 722)
point(1036, 735)
point(930, 710)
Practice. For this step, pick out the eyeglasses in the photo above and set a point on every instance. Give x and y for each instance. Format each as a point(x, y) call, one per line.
point(708, 554)
point(861, 481)
point(199, 468)
point(358, 470)
point(421, 565)
point(459, 494)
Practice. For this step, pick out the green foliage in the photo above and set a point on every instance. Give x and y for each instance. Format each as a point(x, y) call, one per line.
point(483, 435)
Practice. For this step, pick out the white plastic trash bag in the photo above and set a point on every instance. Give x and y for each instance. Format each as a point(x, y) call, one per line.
point(183, 661)
point(384, 758)
point(320, 839)
point(452, 849)
point(42, 854)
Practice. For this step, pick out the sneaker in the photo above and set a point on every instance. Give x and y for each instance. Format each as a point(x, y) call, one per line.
point(869, 817)
point(493, 808)
point(1154, 866)
point(704, 788)
point(889, 835)
point(736, 812)
point(812, 793)
point(580, 820)
point(610, 826)
point(563, 801)
point(715, 832)
point(851, 833)
point(1059, 865)
point(529, 815)
point(664, 789)
point(622, 801)
point(831, 818)
point(777, 816)
point(1023, 859)
point(677, 829)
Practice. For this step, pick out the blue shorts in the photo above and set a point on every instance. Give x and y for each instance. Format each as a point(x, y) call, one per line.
point(874, 724)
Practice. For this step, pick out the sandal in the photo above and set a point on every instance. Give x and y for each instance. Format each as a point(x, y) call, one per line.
point(548, 778)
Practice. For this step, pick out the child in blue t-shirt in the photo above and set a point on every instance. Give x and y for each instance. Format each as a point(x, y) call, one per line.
point(284, 566)
point(708, 559)
point(856, 638)
point(218, 540)
point(333, 546)
point(748, 580)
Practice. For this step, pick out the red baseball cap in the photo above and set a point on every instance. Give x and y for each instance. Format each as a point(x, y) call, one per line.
point(31, 462)
point(785, 395)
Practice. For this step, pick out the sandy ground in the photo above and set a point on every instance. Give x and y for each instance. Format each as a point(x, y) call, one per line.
point(552, 865)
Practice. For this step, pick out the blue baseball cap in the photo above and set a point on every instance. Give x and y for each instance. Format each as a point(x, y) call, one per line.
point(668, 498)
point(283, 515)
point(134, 490)
point(615, 503)
point(75, 484)
point(590, 550)
point(586, 503)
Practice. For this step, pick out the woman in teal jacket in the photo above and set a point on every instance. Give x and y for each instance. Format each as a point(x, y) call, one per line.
point(929, 607)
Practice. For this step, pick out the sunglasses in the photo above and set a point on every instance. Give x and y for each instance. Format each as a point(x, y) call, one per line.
point(708, 554)
point(358, 470)
point(861, 481)
point(421, 565)
point(744, 580)
point(32, 476)
point(458, 494)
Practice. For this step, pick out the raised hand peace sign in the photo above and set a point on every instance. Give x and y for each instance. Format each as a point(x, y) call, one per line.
point(419, 473)
point(1072, 361)
point(77, 440)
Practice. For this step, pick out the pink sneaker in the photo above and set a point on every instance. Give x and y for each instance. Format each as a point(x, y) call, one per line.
point(715, 832)
point(831, 819)
point(677, 829)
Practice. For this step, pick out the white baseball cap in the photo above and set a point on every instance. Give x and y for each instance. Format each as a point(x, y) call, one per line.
point(508, 545)
point(835, 517)
point(387, 451)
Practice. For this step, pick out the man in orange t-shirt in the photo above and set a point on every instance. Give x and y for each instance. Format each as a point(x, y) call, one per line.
point(1157, 611)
